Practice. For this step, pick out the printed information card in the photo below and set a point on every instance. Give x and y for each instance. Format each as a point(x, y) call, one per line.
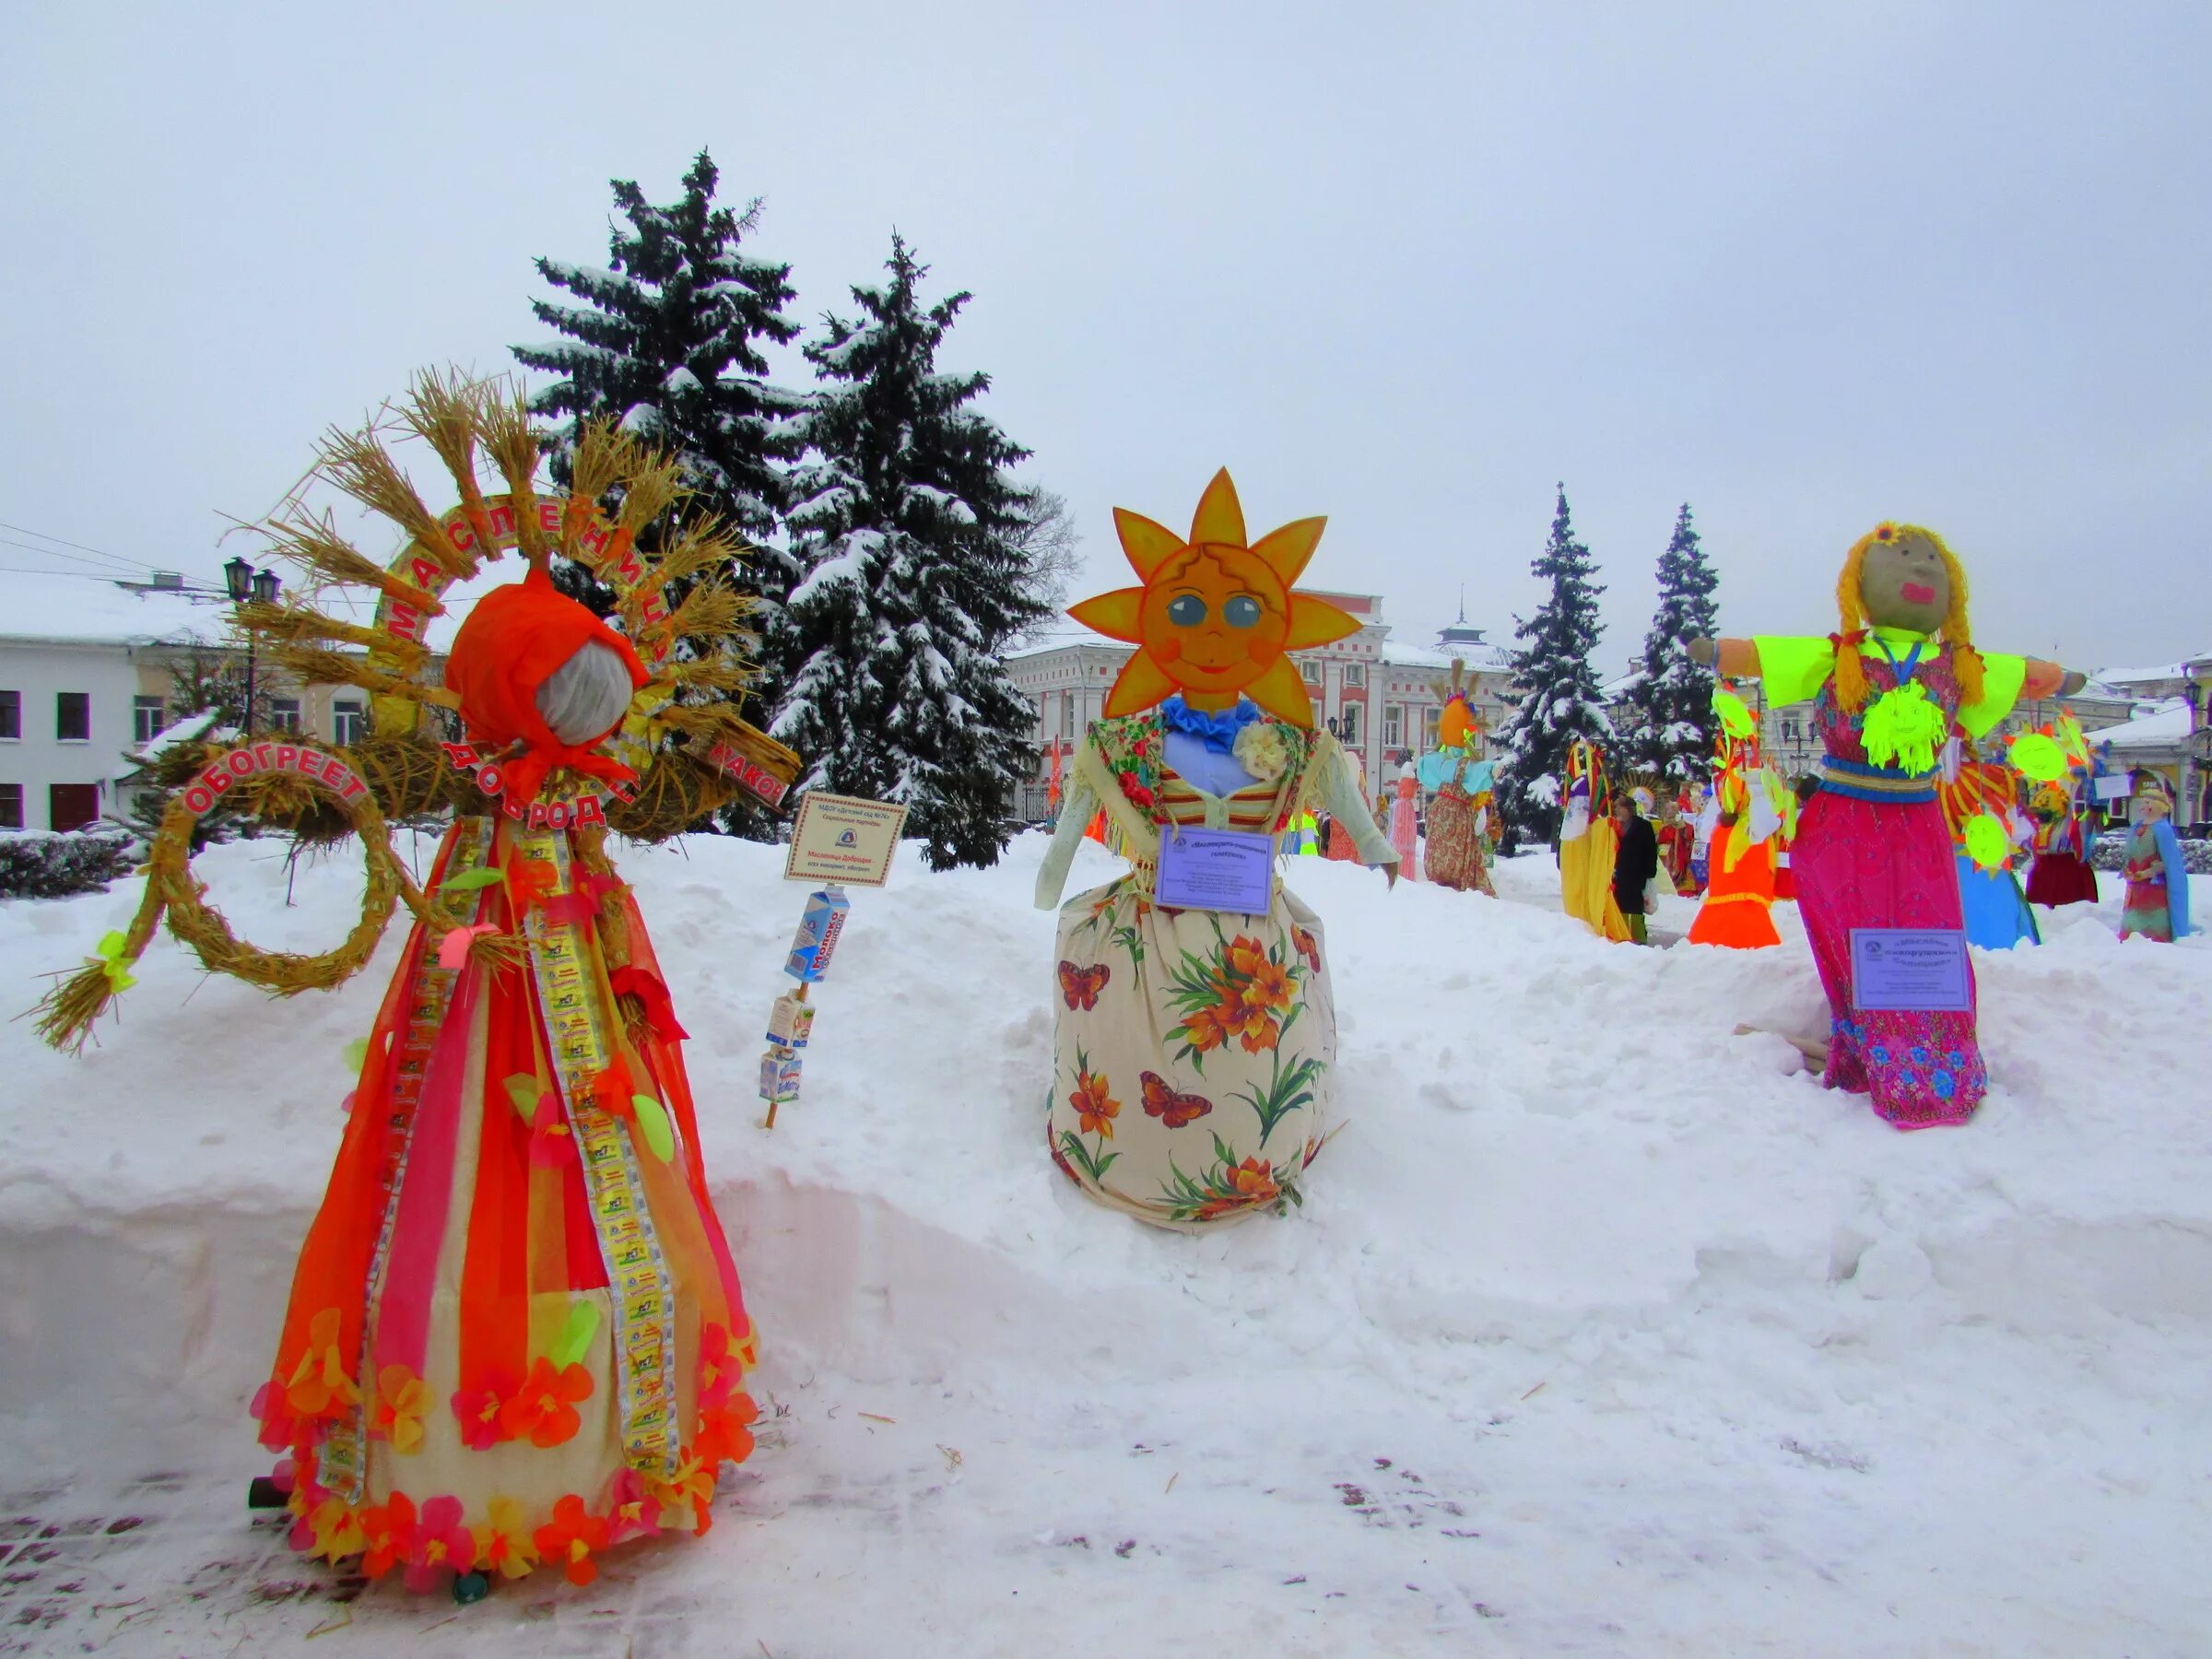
point(1216, 870)
point(841, 839)
point(1918, 970)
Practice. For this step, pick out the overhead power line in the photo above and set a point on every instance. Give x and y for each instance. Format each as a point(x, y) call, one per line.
point(114, 559)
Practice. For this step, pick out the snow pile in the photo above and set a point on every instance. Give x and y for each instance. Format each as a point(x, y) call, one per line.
point(1604, 1330)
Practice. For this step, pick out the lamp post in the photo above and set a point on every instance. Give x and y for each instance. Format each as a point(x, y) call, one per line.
point(2196, 756)
point(245, 584)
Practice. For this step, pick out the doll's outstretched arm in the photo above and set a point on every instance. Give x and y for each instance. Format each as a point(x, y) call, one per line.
point(1077, 806)
point(1733, 659)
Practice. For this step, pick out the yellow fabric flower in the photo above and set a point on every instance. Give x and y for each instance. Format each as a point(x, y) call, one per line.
point(403, 1399)
point(336, 1528)
point(320, 1385)
point(503, 1544)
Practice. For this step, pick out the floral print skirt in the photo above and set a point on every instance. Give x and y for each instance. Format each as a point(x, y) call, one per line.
point(1454, 853)
point(1191, 1056)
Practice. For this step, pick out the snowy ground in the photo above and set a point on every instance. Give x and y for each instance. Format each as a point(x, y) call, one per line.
point(1605, 1331)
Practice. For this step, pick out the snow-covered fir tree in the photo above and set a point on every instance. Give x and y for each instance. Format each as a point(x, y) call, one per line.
point(668, 341)
point(915, 574)
point(1555, 687)
point(1671, 727)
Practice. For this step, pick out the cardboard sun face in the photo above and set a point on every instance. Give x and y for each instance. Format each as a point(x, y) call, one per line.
point(1215, 615)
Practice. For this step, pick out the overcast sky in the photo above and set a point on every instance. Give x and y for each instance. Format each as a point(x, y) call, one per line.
point(1802, 266)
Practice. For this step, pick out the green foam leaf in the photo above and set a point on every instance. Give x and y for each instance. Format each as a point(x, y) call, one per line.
point(652, 1123)
point(469, 881)
point(576, 1336)
point(522, 1091)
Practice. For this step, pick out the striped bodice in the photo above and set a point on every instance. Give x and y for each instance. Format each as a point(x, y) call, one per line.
point(1253, 808)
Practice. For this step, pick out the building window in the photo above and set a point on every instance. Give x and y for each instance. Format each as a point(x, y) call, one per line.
point(349, 724)
point(72, 716)
point(1067, 716)
point(1394, 725)
point(72, 806)
point(1431, 719)
point(284, 713)
point(146, 719)
point(1349, 720)
point(11, 806)
point(1355, 674)
point(11, 716)
point(1309, 671)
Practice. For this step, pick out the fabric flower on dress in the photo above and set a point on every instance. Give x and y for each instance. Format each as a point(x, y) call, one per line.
point(544, 1409)
point(403, 1399)
point(721, 1367)
point(1260, 750)
point(280, 1430)
point(634, 1511)
point(477, 1412)
point(329, 1528)
point(725, 1432)
point(688, 1494)
point(320, 1385)
point(441, 1546)
point(388, 1533)
point(571, 1538)
point(502, 1545)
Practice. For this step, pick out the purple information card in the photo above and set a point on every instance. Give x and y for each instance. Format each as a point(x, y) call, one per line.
point(1216, 870)
point(1919, 969)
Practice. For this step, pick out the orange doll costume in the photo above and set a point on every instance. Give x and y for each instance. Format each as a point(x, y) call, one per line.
point(515, 1335)
point(1195, 1048)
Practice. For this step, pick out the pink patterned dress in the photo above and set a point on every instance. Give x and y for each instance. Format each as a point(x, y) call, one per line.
point(1874, 850)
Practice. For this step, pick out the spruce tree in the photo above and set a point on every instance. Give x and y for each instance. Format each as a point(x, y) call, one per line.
point(669, 344)
point(1558, 697)
point(1671, 727)
point(914, 577)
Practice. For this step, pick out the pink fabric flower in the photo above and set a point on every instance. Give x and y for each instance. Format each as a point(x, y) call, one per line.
point(441, 1546)
point(634, 1513)
point(477, 1412)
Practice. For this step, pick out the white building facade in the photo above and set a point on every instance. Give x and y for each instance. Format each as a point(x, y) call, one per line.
point(88, 673)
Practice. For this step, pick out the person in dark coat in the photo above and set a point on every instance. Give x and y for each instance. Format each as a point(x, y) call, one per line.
point(1635, 865)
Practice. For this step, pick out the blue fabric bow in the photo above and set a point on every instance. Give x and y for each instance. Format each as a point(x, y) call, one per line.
point(1218, 732)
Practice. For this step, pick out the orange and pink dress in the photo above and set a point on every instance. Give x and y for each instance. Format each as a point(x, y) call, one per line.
point(515, 1335)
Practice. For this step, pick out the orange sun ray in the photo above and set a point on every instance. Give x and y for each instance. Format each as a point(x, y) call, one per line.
point(1144, 543)
point(1316, 622)
point(1115, 615)
point(1282, 692)
point(1221, 517)
point(1288, 550)
point(1143, 682)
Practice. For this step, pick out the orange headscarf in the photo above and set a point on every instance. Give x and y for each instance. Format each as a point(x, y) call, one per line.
point(516, 638)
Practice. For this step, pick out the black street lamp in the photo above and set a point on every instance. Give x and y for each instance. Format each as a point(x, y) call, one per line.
point(245, 582)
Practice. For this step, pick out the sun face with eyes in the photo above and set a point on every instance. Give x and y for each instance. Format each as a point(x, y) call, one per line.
point(1216, 616)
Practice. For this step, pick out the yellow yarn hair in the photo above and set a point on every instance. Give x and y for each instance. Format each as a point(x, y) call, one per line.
point(1966, 661)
